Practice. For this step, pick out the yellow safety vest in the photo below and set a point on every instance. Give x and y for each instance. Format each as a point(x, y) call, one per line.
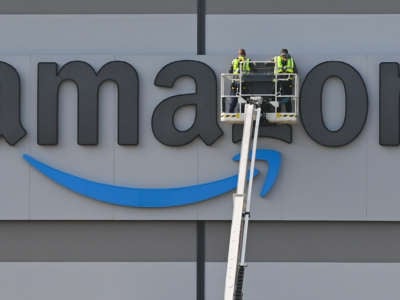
point(284, 68)
point(245, 64)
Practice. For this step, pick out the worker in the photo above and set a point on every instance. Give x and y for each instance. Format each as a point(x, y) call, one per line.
point(240, 63)
point(284, 63)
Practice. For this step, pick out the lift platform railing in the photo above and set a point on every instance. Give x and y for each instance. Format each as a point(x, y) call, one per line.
point(263, 83)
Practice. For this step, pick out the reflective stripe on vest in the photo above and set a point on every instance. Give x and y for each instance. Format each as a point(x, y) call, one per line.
point(236, 64)
point(281, 68)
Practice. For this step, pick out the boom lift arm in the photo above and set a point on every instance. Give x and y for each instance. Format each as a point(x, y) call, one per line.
point(241, 207)
point(262, 96)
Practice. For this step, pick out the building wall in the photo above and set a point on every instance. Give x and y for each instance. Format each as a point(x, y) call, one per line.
point(55, 243)
point(305, 190)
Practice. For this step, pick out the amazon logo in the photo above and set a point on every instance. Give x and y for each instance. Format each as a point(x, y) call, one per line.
point(205, 126)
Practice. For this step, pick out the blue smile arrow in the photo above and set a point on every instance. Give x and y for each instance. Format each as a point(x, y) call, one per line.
point(155, 197)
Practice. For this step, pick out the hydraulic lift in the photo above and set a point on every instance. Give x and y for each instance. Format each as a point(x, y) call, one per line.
point(261, 94)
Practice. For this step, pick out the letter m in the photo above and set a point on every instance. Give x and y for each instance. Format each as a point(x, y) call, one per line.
point(88, 83)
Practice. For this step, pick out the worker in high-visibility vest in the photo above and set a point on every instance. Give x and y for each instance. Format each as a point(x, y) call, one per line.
point(284, 63)
point(242, 64)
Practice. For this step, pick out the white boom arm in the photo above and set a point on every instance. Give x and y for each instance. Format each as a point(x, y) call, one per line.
point(241, 210)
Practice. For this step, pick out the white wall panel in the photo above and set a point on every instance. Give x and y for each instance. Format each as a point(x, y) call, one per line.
point(309, 281)
point(97, 281)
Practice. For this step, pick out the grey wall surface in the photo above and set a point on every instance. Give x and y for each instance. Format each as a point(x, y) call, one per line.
point(301, 6)
point(180, 6)
point(310, 281)
point(97, 7)
point(97, 241)
point(176, 280)
point(175, 241)
point(306, 190)
point(311, 186)
point(333, 242)
point(99, 34)
point(98, 281)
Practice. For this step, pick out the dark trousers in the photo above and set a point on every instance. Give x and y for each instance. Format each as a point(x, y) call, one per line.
point(233, 104)
point(285, 88)
point(235, 92)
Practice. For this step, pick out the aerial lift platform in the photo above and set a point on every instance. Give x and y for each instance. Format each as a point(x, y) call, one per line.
point(259, 94)
point(260, 85)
